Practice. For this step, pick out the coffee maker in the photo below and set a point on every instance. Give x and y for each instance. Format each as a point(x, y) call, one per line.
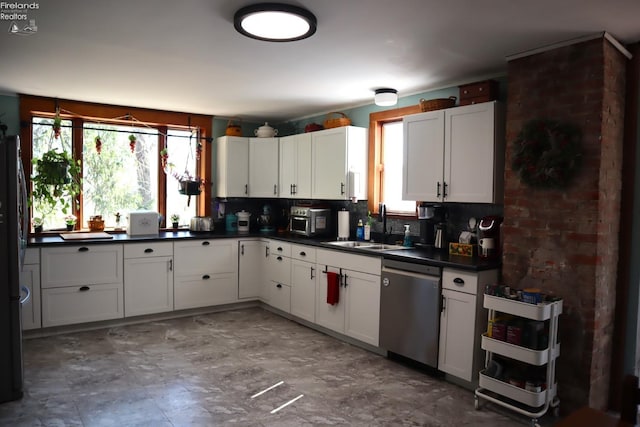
point(432, 218)
point(489, 237)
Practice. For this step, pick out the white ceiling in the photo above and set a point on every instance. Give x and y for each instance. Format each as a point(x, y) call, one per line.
point(186, 55)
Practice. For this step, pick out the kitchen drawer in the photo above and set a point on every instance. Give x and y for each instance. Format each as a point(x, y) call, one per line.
point(457, 280)
point(279, 269)
point(341, 259)
point(204, 290)
point(276, 247)
point(303, 253)
point(205, 256)
point(487, 88)
point(280, 296)
point(32, 256)
point(81, 265)
point(145, 250)
point(79, 304)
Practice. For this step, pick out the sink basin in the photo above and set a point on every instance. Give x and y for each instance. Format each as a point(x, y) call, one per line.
point(366, 246)
point(351, 244)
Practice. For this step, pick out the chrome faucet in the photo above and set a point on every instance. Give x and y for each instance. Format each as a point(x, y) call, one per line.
point(382, 216)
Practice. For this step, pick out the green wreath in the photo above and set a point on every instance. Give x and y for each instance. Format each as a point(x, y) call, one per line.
point(546, 153)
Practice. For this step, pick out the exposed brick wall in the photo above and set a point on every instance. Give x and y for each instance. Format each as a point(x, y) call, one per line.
point(565, 241)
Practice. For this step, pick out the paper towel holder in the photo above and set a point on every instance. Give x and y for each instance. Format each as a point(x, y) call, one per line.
point(343, 224)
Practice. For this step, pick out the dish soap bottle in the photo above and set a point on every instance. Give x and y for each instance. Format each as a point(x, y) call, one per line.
point(360, 231)
point(407, 238)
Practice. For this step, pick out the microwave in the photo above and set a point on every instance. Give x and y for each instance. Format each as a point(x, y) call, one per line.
point(309, 221)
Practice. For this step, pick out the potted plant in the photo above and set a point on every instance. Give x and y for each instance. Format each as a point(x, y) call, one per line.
point(70, 220)
point(56, 182)
point(175, 219)
point(37, 224)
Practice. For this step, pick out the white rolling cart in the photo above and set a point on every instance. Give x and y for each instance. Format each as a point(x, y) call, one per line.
point(529, 403)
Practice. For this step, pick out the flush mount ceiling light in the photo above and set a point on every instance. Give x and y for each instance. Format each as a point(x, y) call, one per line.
point(385, 97)
point(275, 22)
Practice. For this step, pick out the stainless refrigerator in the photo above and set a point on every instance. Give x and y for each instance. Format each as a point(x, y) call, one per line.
point(13, 232)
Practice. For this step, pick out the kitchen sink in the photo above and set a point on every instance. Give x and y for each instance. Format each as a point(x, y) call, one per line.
point(366, 246)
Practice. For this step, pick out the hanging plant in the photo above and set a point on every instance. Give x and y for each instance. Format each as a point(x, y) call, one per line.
point(547, 153)
point(98, 142)
point(132, 142)
point(57, 125)
point(164, 158)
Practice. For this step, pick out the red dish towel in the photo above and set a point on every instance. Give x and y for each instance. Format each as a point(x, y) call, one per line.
point(333, 288)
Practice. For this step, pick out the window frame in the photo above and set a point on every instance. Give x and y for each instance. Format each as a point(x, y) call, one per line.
point(36, 106)
point(375, 165)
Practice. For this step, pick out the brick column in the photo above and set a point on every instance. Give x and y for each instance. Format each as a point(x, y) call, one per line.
point(566, 240)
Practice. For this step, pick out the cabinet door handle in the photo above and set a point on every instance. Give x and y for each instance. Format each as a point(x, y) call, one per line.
point(246, 189)
point(206, 277)
point(206, 243)
point(458, 281)
point(295, 188)
point(148, 251)
point(83, 249)
point(345, 280)
point(278, 286)
point(438, 189)
point(275, 189)
point(170, 265)
point(302, 253)
point(442, 305)
point(266, 251)
point(241, 249)
point(342, 188)
point(84, 288)
point(312, 269)
point(444, 186)
point(291, 189)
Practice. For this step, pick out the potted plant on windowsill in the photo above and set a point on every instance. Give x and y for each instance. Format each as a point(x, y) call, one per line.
point(175, 219)
point(37, 224)
point(56, 182)
point(70, 221)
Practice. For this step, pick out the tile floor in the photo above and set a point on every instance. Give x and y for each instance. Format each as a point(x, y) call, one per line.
point(204, 370)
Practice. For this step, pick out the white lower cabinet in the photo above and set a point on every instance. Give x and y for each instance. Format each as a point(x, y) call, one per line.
point(30, 278)
point(279, 274)
point(148, 278)
point(252, 255)
point(79, 304)
point(206, 272)
point(357, 313)
point(280, 296)
point(81, 283)
point(461, 321)
point(303, 289)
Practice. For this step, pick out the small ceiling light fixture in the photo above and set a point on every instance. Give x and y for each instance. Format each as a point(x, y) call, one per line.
point(275, 22)
point(385, 97)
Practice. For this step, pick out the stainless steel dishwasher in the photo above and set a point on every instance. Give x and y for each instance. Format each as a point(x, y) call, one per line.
point(410, 310)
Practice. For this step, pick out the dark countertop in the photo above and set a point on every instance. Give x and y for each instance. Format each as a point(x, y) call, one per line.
point(427, 256)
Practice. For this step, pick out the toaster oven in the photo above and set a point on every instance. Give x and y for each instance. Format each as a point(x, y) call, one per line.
point(308, 221)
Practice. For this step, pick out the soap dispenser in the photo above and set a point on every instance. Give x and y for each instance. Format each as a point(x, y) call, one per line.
point(407, 236)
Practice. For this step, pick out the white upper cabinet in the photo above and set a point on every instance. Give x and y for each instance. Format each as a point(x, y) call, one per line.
point(455, 155)
point(232, 171)
point(339, 163)
point(263, 167)
point(295, 166)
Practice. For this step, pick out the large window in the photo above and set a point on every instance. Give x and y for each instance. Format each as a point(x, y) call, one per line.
point(385, 161)
point(118, 175)
point(392, 155)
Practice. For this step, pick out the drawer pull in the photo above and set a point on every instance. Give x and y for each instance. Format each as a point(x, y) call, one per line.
point(206, 277)
point(205, 243)
point(84, 288)
point(83, 249)
point(279, 249)
point(458, 281)
point(303, 253)
point(148, 251)
point(279, 258)
point(278, 286)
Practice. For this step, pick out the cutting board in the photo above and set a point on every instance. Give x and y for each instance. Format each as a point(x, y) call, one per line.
point(86, 236)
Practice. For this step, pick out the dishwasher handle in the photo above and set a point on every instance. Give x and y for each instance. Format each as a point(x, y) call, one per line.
point(410, 273)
